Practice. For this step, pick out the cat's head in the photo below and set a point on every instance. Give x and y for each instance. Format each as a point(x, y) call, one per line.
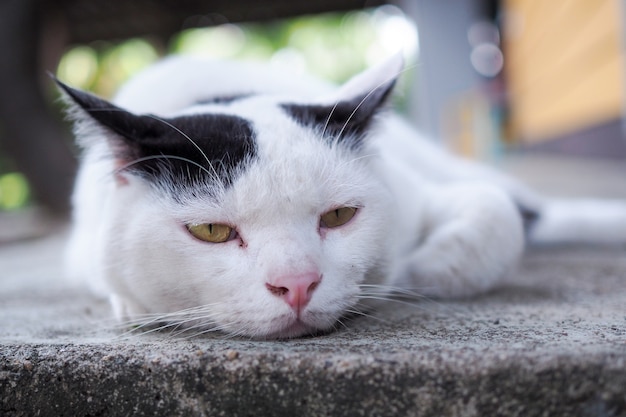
point(259, 215)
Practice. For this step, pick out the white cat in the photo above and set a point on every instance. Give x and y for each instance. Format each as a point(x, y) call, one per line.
point(229, 196)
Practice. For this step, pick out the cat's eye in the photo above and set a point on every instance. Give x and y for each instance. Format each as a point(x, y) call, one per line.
point(212, 232)
point(337, 217)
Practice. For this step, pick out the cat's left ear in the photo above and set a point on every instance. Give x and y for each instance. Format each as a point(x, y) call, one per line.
point(349, 111)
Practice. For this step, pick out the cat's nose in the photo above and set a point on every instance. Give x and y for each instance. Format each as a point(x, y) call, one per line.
point(296, 290)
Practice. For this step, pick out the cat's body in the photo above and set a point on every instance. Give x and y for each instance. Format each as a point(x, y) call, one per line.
point(311, 202)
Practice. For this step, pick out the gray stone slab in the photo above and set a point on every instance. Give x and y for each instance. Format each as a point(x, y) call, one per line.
point(550, 341)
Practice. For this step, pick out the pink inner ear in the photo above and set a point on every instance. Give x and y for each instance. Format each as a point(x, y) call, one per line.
point(120, 179)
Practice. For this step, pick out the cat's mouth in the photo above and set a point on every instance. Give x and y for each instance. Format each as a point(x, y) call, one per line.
point(294, 329)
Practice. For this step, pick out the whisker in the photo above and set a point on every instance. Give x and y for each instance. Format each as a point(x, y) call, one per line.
point(338, 321)
point(183, 134)
point(202, 322)
point(386, 81)
point(181, 312)
point(362, 313)
point(358, 106)
point(214, 174)
point(390, 291)
point(162, 321)
point(406, 296)
point(147, 158)
point(214, 329)
point(330, 115)
point(413, 303)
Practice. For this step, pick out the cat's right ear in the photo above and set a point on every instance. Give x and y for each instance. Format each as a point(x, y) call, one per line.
point(91, 111)
point(96, 119)
point(127, 135)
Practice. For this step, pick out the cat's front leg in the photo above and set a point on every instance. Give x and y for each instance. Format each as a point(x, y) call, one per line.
point(471, 237)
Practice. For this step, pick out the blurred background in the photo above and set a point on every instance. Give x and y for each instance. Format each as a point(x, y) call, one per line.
point(487, 78)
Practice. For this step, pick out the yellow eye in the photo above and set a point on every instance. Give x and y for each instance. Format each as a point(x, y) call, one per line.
point(212, 232)
point(337, 217)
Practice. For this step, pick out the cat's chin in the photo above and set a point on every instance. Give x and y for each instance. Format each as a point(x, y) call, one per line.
point(294, 330)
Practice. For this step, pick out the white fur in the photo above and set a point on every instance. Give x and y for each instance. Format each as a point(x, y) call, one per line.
point(427, 221)
point(574, 221)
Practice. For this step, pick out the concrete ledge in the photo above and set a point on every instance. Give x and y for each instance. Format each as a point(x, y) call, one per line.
point(202, 379)
point(550, 342)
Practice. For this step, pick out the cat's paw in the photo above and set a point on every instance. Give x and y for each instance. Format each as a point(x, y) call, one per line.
point(123, 309)
point(475, 238)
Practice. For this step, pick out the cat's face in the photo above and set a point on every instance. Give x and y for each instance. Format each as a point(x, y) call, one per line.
point(258, 217)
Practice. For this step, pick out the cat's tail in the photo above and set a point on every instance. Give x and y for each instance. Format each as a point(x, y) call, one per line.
point(578, 221)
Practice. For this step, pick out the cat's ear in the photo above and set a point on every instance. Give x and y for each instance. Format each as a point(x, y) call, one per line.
point(349, 111)
point(128, 136)
point(156, 147)
point(87, 108)
point(371, 86)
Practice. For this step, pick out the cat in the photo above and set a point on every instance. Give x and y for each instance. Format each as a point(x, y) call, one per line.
point(232, 197)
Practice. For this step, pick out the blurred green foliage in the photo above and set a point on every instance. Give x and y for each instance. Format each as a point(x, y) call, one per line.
point(333, 46)
point(14, 191)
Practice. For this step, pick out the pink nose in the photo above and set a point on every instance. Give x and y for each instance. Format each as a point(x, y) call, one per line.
point(296, 290)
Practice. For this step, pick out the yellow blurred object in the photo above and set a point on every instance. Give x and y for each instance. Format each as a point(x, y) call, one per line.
point(564, 65)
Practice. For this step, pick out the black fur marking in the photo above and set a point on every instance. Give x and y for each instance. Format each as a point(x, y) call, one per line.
point(224, 99)
point(188, 150)
point(530, 216)
point(348, 119)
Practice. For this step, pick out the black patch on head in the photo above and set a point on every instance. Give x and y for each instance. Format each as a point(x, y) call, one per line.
point(223, 99)
point(347, 119)
point(188, 150)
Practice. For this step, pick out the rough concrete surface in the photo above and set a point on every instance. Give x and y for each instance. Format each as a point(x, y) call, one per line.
point(549, 342)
